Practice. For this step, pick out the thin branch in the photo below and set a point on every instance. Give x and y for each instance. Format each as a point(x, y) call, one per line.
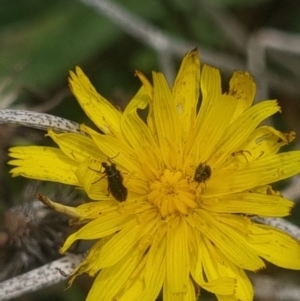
point(226, 22)
point(167, 66)
point(160, 40)
point(257, 46)
point(40, 121)
point(42, 277)
point(156, 38)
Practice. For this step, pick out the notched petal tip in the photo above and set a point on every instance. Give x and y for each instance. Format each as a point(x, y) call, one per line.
point(145, 82)
point(74, 76)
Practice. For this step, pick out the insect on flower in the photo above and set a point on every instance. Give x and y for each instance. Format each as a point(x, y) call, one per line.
point(202, 173)
point(115, 181)
point(169, 234)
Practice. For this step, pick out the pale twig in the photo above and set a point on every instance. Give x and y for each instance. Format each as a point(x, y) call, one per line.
point(257, 46)
point(41, 277)
point(40, 121)
point(156, 38)
point(232, 29)
point(256, 49)
point(160, 40)
point(167, 66)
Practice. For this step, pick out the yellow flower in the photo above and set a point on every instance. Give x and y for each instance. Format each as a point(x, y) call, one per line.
point(173, 195)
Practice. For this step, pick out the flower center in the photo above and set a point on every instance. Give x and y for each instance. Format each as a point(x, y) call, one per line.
point(172, 194)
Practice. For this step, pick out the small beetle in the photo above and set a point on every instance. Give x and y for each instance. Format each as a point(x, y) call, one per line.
point(115, 181)
point(202, 173)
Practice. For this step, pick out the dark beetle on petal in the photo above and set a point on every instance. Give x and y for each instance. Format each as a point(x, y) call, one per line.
point(115, 181)
point(202, 173)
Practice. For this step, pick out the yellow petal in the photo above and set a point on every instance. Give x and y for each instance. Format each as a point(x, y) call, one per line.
point(155, 269)
point(106, 224)
point(267, 242)
point(43, 163)
point(249, 203)
point(68, 210)
point(92, 180)
point(120, 151)
point(212, 281)
point(209, 135)
point(177, 262)
point(230, 241)
point(243, 88)
point(261, 172)
point(210, 88)
point(97, 108)
point(265, 140)
point(243, 290)
point(89, 264)
point(191, 294)
point(149, 89)
point(217, 265)
point(147, 85)
point(111, 280)
point(186, 91)
point(76, 146)
point(275, 246)
point(211, 91)
point(92, 210)
point(136, 132)
point(125, 240)
point(134, 291)
point(241, 128)
point(168, 127)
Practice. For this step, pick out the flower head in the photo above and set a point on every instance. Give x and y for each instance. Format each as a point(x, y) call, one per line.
point(173, 195)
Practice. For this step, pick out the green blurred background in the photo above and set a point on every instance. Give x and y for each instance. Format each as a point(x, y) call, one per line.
point(40, 41)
